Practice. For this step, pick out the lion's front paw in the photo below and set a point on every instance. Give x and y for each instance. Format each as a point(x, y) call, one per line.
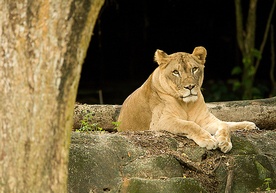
point(244, 125)
point(249, 125)
point(224, 140)
point(209, 142)
point(224, 144)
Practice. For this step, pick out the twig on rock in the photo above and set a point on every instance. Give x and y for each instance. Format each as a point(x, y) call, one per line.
point(229, 181)
point(186, 162)
point(230, 176)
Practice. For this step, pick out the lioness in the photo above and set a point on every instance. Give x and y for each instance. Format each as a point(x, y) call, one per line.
point(171, 100)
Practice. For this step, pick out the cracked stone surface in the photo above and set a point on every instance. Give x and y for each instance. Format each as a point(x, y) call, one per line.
point(148, 162)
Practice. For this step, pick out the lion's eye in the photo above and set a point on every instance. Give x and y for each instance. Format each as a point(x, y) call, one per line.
point(175, 73)
point(194, 69)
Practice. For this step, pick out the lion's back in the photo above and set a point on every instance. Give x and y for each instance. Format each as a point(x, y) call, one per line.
point(135, 114)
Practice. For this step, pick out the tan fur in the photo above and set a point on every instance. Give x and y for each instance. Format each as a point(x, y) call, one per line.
point(171, 100)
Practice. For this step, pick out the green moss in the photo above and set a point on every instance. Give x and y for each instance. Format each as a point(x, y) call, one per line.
point(154, 167)
point(172, 143)
point(195, 153)
point(262, 171)
point(250, 173)
point(174, 185)
point(242, 146)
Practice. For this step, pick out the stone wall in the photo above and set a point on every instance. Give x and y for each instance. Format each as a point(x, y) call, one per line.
point(161, 162)
point(148, 162)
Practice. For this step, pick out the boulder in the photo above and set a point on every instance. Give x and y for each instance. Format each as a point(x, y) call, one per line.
point(148, 162)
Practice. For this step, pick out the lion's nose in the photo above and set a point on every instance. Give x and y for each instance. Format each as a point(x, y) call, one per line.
point(190, 86)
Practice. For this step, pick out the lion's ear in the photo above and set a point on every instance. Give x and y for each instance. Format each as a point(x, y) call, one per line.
point(200, 53)
point(160, 57)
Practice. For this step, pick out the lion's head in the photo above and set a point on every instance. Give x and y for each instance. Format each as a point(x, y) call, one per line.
point(181, 74)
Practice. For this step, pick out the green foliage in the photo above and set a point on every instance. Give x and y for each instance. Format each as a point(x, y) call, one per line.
point(87, 124)
point(217, 90)
point(246, 74)
point(236, 85)
point(116, 125)
point(236, 70)
point(231, 89)
point(267, 183)
point(256, 53)
point(246, 61)
point(251, 71)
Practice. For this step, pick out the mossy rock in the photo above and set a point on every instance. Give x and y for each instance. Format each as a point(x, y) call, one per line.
point(249, 173)
point(195, 153)
point(154, 167)
point(95, 161)
point(242, 146)
point(171, 185)
point(156, 162)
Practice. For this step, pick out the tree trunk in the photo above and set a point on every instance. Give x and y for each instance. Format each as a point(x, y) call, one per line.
point(272, 67)
point(246, 42)
point(43, 45)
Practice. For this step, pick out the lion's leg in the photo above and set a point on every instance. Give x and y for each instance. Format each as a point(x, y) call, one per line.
point(189, 128)
point(203, 138)
point(223, 136)
point(244, 125)
point(222, 133)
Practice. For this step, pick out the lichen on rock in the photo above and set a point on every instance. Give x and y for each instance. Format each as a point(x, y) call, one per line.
point(145, 161)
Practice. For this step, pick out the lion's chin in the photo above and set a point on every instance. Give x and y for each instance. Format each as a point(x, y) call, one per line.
point(189, 98)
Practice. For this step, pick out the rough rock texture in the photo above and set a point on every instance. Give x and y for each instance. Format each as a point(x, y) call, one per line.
point(161, 162)
point(102, 114)
point(149, 162)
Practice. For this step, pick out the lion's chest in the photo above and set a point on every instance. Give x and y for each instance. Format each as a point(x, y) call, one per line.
point(165, 111)
point(175, 110)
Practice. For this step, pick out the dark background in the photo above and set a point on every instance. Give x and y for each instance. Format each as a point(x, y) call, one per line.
point(127, 33)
